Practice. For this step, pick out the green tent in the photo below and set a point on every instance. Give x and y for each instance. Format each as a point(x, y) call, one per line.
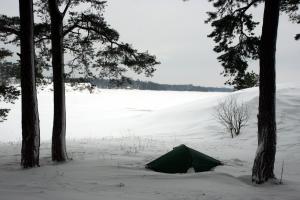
point(180, 159)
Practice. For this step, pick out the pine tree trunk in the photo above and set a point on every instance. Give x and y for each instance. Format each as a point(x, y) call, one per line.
point(263, 168)
point(30, 116)
point(59, 122)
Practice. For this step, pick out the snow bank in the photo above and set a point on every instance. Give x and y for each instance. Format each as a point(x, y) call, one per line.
point(113, 133)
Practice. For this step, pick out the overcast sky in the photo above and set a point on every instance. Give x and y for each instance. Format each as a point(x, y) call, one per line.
point(175, 32)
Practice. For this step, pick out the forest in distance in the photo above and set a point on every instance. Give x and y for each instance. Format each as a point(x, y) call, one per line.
point(145, 85)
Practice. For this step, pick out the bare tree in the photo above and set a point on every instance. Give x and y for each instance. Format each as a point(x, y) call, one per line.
point(232, 115)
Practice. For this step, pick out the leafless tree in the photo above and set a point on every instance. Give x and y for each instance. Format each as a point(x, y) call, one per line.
point(232, 115)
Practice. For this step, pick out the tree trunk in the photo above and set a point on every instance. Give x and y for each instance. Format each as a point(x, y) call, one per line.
point(59, 122)
point(263, 168)
point(30, 116)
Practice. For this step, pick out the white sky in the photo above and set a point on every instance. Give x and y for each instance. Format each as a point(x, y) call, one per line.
point(175, 32)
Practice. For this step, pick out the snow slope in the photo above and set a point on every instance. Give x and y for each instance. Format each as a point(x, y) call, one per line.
point(114, 133)
point(102, 113)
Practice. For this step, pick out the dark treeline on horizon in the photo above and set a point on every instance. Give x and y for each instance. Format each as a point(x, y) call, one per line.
point(127, 83)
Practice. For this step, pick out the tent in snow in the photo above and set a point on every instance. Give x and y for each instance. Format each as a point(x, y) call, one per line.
point(180, 159)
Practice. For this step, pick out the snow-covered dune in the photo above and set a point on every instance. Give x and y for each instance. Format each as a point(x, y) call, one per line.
point(98, 114)
point(196, 117)
point(112, 134)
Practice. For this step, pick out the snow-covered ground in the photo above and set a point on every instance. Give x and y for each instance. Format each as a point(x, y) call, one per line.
point(112, 134)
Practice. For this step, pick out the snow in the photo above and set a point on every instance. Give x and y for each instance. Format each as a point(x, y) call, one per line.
point(112, 134)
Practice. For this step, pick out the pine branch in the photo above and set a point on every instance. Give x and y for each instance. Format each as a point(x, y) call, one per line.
point(245, 8)
point(66, 8)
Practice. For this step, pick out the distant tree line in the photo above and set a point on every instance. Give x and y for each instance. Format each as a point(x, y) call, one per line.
point(127, 83)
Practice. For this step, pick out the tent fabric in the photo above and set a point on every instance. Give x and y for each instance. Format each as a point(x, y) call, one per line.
point(180, 159)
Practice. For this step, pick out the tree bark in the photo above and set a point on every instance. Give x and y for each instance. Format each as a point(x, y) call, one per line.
point(30, 115)
point(59, 122)
point(263, 168)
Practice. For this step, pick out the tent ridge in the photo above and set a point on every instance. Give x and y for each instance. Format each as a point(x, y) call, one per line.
point(180, 159)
